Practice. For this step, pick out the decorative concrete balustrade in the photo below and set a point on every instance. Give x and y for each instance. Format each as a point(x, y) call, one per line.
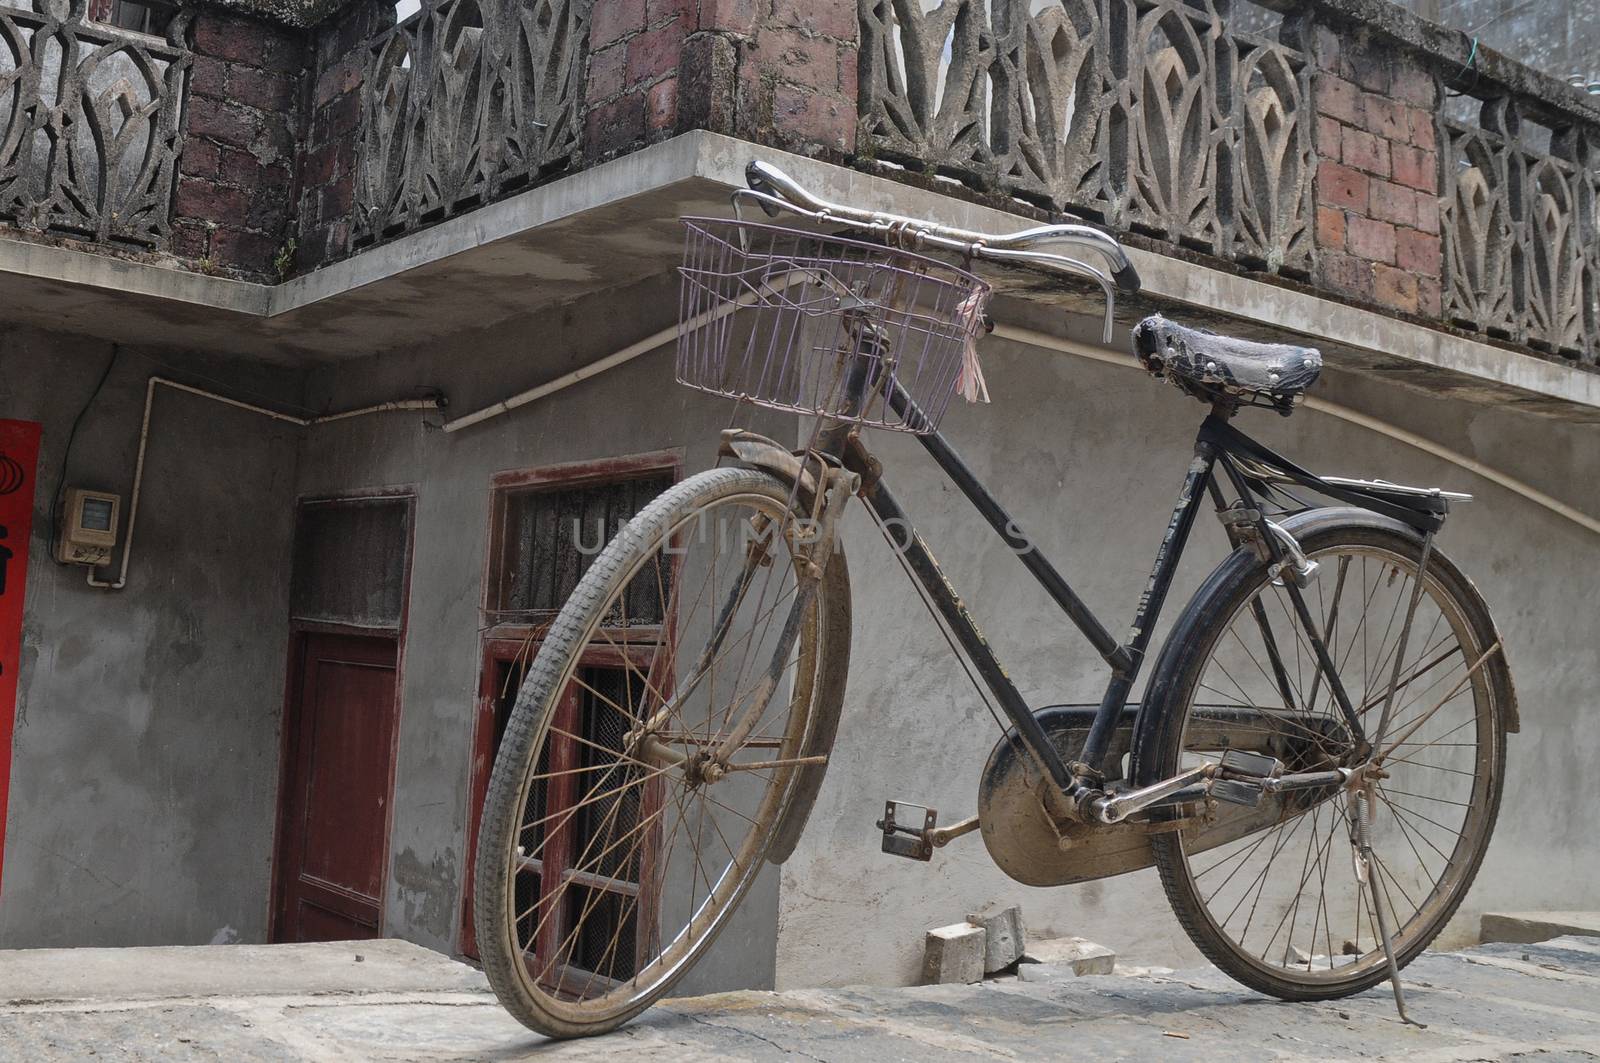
point(464, 102)
point(89, 124)
point(1521, 221)
point(1295, 138)
point(1184, 119)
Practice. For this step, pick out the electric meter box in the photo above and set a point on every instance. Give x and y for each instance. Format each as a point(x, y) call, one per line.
point(88, 527)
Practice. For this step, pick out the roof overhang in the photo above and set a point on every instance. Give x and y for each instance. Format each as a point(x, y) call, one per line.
point(615, 225)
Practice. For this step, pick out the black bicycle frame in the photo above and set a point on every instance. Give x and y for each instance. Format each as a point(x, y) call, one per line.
point(1216, 443)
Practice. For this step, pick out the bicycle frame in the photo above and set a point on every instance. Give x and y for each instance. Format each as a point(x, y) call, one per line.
point(1217, 443)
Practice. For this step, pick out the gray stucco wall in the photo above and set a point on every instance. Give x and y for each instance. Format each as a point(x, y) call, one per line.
point(146, 751)
point(1089, 457)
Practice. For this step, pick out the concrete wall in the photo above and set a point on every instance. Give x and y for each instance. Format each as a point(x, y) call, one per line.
point(1090, 457)
point(634, 409)
point(146, 751)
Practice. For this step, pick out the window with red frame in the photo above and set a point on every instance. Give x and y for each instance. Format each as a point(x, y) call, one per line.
point(546, 529)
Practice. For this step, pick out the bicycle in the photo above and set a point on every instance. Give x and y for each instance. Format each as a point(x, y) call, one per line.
point(684, 702)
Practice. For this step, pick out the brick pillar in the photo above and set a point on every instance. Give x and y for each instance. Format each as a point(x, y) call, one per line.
point(779, 72)
point(330, 145)
point(232, 209)
point(1377, 184)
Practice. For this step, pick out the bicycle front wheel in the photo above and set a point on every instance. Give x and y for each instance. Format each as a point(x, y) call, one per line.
point(1271, 894)
point(655, 748)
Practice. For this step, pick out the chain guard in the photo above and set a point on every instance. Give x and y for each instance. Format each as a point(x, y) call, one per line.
point(1021, 837)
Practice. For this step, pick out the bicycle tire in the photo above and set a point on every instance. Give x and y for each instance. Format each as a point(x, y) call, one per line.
point(1162, 724)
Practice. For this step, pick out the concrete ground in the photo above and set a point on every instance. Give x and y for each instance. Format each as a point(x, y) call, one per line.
point(394, 1001)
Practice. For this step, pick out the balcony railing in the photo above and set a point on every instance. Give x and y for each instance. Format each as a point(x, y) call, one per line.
point(1191, 121)
point(1521, 221)
point(89, 124)
point(1179, 118)
point(465, 102)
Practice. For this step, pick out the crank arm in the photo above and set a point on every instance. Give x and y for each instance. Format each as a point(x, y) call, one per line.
point(1116, 809)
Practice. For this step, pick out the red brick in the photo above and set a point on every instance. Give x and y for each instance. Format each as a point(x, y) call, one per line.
point(1412, 84)
point(654, 54)
point(244, 250)
point(1391, 202)
point(1365, 152)
point(190, 241)
point(1416, 168)
point(1387, 118)
point(612, 20)
point(730, 16)
point(800, 60)
point(208, 76)
point(607, 72)
point(215, 120)
point(1340, 186)
point(1367, 65)
point(1429, 302)
point(1394, 288)
point(337, 80)
point(201, 158)
point(207, 201)
point(1423, 132)
point(228, 37)
point(686, 12)
point(831, 18)
point(661, 105)
point(324, 163)
point(1339, 98)
point(341, 116)
point(616, 125)
point(1427, 212)
point(1330, 228)
point(258, 88)
point(240, 168)
point(814, 118)
point(339, 197)
point(1347, 274)
point(1369, 239)
point(1327, 145)
point(1418, 252)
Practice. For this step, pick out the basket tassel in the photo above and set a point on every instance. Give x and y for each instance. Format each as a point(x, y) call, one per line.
point(970, 383)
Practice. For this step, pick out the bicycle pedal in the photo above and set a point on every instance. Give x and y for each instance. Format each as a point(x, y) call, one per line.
point(1239, 763)
point(1236, 792)
point(902, 839)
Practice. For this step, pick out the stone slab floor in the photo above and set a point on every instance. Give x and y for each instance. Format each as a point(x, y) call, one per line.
point(394, 1001)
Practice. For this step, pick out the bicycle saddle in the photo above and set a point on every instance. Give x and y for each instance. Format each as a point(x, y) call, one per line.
point(1204, 364)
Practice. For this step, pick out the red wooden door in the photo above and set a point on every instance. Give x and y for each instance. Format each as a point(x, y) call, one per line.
point(337, 781)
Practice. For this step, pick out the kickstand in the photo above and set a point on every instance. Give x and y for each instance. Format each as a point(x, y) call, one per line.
point(1367, 873)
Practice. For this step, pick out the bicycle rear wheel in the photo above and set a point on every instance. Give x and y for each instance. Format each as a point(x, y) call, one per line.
point(1270, 893)
point(655, 749)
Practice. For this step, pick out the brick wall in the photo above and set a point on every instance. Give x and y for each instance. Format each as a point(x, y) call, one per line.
point(331, 138)
point(232, 211)
point(779, 72)
point(1377, 182)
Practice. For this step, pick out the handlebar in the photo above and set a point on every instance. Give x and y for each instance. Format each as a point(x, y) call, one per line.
point(775, 191)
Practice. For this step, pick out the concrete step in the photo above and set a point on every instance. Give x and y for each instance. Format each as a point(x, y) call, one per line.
point(1529, 927)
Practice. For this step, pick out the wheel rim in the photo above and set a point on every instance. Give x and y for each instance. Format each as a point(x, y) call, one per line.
point(628, 860)
point(1285, 897)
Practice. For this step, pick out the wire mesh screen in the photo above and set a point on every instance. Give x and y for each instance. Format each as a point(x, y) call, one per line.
point(815, 324)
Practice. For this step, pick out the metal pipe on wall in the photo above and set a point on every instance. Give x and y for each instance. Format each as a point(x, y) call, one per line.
point(144, 440)
point(1045, 341)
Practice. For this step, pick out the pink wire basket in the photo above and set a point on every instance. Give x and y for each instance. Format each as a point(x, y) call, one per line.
point(783, 318)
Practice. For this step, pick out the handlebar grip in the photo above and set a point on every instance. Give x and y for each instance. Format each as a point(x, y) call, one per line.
point(758, 183)
point(1127, 279)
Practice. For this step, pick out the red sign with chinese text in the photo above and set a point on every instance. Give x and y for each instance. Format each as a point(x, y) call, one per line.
point(19, 462)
